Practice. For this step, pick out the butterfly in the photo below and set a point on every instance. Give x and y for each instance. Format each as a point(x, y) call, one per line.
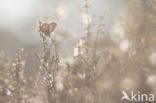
point(47, 28)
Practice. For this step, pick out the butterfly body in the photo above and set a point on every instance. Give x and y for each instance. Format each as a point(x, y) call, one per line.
point(47, 28)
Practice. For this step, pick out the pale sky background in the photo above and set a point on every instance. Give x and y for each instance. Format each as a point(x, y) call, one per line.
point(20, 16)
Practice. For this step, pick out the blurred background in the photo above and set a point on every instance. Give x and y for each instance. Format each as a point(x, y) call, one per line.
point(128, 44)
point(19, 17)
point(19, 22)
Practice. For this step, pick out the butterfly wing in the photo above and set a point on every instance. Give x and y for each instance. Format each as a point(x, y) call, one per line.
point(45, 28)
point(52, 27)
